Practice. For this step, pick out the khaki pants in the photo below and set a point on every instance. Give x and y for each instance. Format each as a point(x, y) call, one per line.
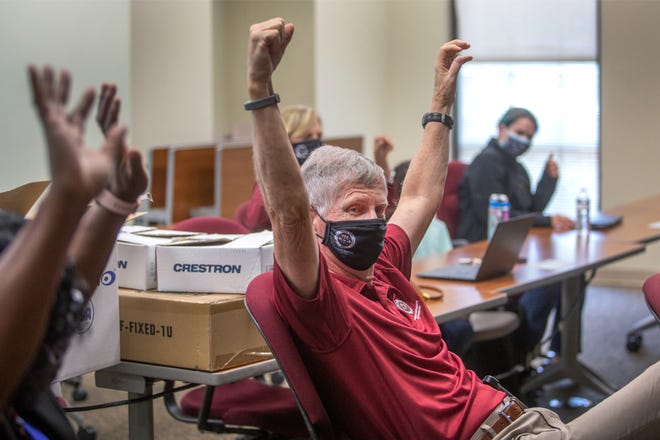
point(632, 413)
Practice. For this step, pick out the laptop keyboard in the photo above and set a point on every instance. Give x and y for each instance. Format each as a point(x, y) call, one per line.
point(459, 271)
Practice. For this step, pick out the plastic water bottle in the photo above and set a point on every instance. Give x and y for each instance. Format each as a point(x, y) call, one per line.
point(505, 205)
point(493, 206)
point(496, 208)
point(582, 215)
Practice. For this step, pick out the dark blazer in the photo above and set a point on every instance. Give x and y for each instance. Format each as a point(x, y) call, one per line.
point(495, 171)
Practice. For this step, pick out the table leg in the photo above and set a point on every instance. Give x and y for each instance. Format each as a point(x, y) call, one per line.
point(568, 365)
point(141, 415)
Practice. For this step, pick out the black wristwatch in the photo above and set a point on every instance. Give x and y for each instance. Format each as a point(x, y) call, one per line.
point(263, 102)
point(438, 117)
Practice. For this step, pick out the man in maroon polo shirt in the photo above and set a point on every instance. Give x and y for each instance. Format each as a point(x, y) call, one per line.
point(342, 272)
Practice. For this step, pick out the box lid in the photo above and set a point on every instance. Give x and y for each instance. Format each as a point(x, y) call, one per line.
point(23, 198)
point(222, 300)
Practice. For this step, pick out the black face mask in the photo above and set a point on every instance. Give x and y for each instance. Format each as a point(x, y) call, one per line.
point(303, 149)
point(356, 243)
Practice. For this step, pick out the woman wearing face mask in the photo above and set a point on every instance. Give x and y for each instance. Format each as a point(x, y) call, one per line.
point(305, 130)
point(496, 170)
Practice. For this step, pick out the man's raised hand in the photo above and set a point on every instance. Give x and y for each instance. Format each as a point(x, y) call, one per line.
point(268, 41)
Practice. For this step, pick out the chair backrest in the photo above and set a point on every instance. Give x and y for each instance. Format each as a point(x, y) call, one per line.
point(210, 225)
point(236, 176)
point(193, 179)
point(448, 210)
point(651, 289)
point(160, 165)
point(259, 302)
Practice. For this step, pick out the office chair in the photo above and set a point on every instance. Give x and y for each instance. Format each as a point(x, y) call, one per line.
point(634, 336)
point(448, 210)
point(651, 289)
point(260, 305)
point(210, 225)
point(248, 407)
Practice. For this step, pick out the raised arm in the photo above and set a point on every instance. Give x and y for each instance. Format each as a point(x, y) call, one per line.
point(277, 169)
point(382, 148)
point(424, 184)
point(127, 179)
point(31, 266)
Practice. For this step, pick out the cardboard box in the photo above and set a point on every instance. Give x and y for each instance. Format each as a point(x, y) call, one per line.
point(206, 332)
point(24, 199)
point(224, 268)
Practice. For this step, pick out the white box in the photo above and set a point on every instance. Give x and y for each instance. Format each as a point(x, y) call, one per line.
point(225, 268)
point(136, 260)
point(95, 344)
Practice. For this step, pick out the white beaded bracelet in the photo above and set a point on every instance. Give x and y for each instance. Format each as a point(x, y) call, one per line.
point(115, 205)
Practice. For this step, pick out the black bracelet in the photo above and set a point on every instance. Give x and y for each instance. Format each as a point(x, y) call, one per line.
point(263, 102)
point(438, 117)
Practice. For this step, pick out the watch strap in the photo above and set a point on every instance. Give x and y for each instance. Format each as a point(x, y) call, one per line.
point(443, 118)
point(263, 102)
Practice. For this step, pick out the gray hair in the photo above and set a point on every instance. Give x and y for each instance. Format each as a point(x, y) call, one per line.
point(329, 171)
point(515, 113)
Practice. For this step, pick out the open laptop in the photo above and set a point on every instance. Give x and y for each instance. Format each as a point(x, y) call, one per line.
point(501, 254)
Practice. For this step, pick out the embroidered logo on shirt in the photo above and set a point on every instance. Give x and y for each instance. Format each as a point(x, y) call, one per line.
point(405, 308)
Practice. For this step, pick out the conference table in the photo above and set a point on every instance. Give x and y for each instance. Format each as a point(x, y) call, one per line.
point(459, 300)
point(641, 221)
point(550, 258)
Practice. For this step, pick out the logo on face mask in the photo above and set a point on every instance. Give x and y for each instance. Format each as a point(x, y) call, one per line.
point(302, 150)
point(345, 239)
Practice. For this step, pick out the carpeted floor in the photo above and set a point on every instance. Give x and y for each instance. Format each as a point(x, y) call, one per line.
point(608, 315)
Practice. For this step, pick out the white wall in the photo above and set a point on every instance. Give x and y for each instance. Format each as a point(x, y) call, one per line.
point(630, 63)
point(375, 68)
point(172, 72)
point(351, 71)
point(630, 151)
point(295, 76)
point(419, 29)
point(91, 39)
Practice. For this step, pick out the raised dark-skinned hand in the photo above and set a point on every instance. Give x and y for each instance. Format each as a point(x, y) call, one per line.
point(75, 169)
point(128, 177)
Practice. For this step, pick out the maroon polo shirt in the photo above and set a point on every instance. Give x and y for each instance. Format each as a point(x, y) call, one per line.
point(377, 357)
